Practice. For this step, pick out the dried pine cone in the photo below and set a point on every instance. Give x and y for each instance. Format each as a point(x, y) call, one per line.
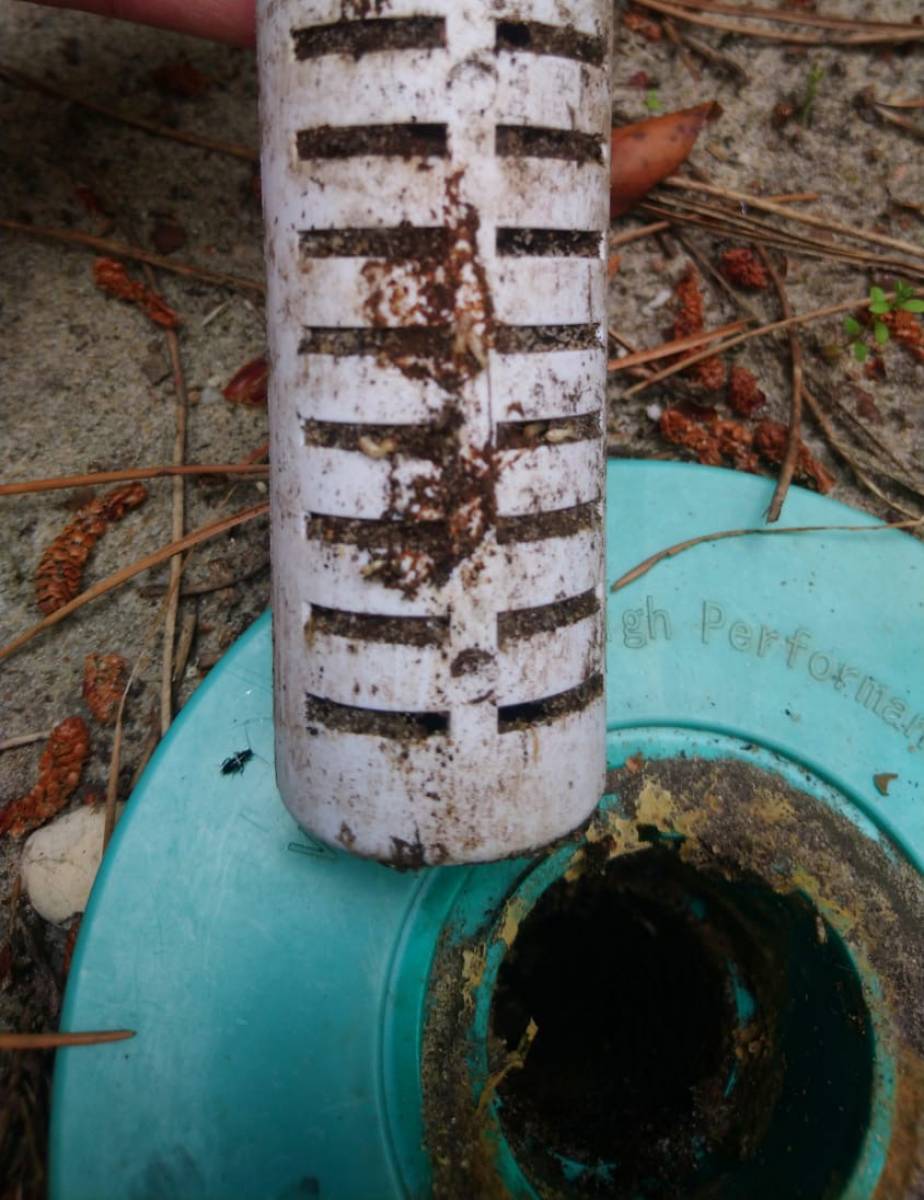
point(103, 684)
point(60, 569)
point(689, 317)
point(684, 431)
point(59, 773)
point(110, 276)
point(907, 329)
point(744, 396)
point(770, 441)
point(742, 267)
point(708, 373)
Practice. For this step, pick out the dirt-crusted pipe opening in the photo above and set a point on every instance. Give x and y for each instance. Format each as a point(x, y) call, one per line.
point(694, 1032)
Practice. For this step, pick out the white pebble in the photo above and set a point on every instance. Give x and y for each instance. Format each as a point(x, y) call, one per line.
point(660, 299)
point(59, 863)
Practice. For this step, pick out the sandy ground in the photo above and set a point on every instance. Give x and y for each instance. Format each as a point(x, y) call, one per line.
point(85, 382)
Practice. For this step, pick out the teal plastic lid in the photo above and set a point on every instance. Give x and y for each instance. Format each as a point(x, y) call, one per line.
point(288, 999)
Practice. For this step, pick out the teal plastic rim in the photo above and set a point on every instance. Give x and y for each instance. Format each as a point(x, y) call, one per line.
point(278, 988)
point(518, 885)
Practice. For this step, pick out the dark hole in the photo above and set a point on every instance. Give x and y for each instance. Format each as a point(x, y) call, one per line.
point(349, 718)
point(366, 36)
point(696, 1036)
point(512, 717)
point(632, 1020)
point(349, 141)
point(549, 39)
point(515, 34)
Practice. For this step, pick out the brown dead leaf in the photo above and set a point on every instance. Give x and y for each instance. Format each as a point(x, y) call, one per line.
point(180, 78)
point(646, 152)
point(248, 384)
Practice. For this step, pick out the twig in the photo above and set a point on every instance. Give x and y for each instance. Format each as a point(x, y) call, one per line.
point(895, 118)
point(815, 314)
point(671, 30)
point(714, 56)
point(129, 474)
point(24, 739)
point(203, 589)
point(514, 1061)
point(115, 757)
point(203, 534)
point(137, 253)
point(879, 34)
point(147, 749)
point(841, 450)
point(719, 280)
point(647, 564)
point(787, 17)
point(723, 222)
point(52, 1041)
point(901, 102)
point(256, 456)
point(178, 524)
point(794, 432)
point(635, 235)
point(904, 477)
point(667, 349)
point(184, 644)
point(793, 214)
point(191, 139)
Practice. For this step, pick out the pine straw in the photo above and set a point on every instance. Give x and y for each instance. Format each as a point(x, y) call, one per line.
point(135, 253)
point(856, 33)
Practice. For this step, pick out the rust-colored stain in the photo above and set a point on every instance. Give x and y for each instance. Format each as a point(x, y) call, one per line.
point(449, 298)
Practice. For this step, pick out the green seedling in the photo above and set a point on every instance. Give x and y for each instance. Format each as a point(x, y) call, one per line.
point(815, 76)
point(653, 101)
point(880, 305)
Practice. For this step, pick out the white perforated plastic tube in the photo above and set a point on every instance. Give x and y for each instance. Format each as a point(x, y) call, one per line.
point(435, 183)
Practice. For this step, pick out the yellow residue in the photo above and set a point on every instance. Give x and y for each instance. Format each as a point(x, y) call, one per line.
point(473, 965)
point(575, 867)
point(513, 915)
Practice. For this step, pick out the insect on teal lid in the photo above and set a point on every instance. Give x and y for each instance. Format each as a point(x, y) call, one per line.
point(294, 1004)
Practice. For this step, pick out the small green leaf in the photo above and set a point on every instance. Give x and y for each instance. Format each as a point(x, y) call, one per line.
point(903, 291)
point(877, 295)
point(880, 307)
point(852, 326)
point(860, 351)
point(653, 101)
point(881, 333)
point(915, 306)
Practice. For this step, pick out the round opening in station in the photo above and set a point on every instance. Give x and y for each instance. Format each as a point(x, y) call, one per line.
point(695, 1034)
